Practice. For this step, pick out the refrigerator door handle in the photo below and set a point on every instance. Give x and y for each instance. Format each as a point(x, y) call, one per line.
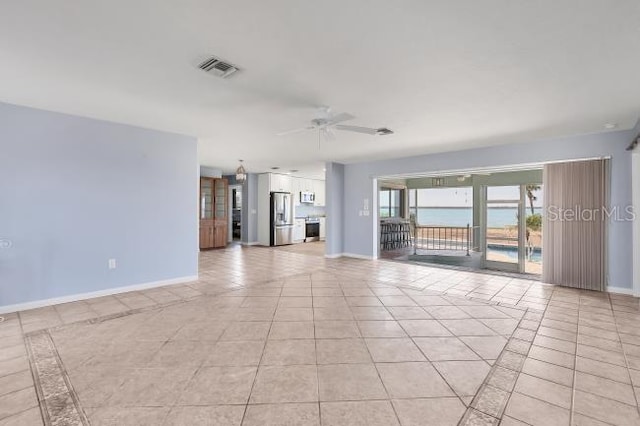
point(286, 208)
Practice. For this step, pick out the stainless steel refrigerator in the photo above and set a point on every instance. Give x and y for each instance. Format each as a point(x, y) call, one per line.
point(281, 218)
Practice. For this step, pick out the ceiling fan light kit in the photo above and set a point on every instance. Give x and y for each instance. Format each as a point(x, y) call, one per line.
point(241, 174)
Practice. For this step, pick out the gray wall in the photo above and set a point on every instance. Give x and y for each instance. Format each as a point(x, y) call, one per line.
point(334, 208)
point(206, 171)
point(75, 192)
point(250, 209)
point(358, 185)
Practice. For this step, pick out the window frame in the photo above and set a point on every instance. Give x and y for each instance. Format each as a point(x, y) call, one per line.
point(390, 207)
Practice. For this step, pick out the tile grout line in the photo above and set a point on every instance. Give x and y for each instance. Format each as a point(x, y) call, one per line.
point(188, 382)
point(264, 348)
point(395, 412)
point(315, 348)
point(575, 367)
point(496, 416)
point(452, 335)
point(624, 354)
point(335, 270)
point(484, 303)
point(31, 368)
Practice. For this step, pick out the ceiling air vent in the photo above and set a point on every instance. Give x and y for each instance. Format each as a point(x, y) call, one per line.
point(218, 67)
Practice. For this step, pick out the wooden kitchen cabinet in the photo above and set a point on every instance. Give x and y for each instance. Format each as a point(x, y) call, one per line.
point(213, 212)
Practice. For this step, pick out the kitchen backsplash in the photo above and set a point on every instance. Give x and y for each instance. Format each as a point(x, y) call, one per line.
point(304, 211)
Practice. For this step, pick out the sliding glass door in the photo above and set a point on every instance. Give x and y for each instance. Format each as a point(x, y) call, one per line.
point(533, 237)
point(504, 228)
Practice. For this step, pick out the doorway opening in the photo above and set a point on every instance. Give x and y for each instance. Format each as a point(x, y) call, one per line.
point(442, 223)
point(513, 228)
point(480, 220)
point(235, 224)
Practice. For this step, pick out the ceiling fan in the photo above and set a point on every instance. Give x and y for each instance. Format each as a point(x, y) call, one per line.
point(327, 122)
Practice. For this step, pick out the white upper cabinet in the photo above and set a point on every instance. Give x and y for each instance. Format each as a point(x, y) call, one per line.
point(285, 182)
point(295, 191)
point(279, 183)
point(319, 190)
point(306, 185)
point(294, 185)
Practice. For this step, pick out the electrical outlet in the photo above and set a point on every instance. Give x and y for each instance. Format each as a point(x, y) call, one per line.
point(112, 264)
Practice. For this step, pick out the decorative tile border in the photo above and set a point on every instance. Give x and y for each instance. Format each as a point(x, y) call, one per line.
point(490, 401)
point(476, 418)
point(58, 402)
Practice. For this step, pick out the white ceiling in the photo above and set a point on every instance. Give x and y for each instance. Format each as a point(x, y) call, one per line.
point(443, 74)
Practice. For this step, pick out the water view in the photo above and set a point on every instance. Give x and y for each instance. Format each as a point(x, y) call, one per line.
point(461, 216)
point(453, 208)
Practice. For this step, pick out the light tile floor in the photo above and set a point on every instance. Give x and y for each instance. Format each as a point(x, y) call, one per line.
point(273, 336)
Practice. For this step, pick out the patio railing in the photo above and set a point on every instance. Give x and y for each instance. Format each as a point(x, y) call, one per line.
point(453, 238)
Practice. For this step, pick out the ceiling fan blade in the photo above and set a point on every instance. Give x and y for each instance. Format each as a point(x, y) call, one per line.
point(339, 118)
point(291, 132)
point(357, 129)
point(329, 134)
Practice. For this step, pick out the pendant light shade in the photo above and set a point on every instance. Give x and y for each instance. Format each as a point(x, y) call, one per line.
point(241, 174)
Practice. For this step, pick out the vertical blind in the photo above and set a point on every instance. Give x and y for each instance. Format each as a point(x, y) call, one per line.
point(574, 224)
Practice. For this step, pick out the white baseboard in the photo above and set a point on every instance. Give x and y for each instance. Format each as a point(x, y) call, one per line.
point(252, 243)
point(620, 290)
point(333, 256)
point(359, 256)
point(100, 293)
point(352, 255)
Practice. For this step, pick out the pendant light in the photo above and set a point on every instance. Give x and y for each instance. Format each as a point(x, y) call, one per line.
point(241, 174)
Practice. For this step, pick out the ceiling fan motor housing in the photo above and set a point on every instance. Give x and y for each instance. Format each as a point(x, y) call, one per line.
point(320, 122)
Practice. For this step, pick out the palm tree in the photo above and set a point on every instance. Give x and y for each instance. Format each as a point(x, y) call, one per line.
point(530, 190)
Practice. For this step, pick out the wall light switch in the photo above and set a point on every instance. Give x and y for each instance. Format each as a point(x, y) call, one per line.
point(112, 264)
